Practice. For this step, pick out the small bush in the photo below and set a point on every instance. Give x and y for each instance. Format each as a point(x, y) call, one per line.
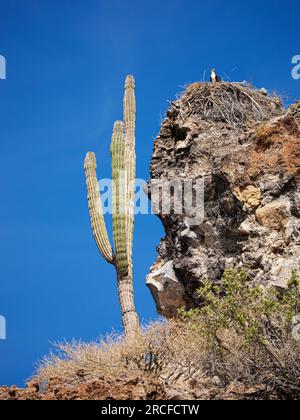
point(248, 330)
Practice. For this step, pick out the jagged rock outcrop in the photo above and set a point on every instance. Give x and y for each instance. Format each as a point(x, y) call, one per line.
point(166, 288)
point(246, 148)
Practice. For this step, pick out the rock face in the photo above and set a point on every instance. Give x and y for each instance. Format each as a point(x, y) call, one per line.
point(248, 155)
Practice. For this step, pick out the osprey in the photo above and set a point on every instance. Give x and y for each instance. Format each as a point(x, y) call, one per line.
point(214, 78)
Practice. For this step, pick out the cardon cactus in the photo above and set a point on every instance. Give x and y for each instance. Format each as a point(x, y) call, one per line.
point(123, 175)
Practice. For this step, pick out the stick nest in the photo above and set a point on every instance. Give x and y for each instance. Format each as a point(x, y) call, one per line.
point(235, 104)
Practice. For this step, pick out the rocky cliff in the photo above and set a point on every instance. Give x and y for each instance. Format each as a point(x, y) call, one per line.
point(246, 148)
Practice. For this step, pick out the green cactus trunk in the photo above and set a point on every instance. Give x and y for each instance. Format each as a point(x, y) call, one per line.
point(119, 197)
point(123, 174)
point(129, 120)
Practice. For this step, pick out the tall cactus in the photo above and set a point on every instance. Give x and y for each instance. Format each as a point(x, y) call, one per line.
point(123, 174)
point(129, 120)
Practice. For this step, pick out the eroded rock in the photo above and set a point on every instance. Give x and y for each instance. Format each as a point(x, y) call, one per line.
point(251, 175)
point(166, 289)
point(274, 215)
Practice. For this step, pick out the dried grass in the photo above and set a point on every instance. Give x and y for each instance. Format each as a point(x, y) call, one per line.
point(175, 352)
point(160, 349)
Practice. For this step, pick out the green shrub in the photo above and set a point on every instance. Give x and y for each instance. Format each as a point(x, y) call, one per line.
point(241, 334)
point(254, 313)
point(248, 331)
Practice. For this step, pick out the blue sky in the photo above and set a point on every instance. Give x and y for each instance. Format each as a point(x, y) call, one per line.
point(66, 64)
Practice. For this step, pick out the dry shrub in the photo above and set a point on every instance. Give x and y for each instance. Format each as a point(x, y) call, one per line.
point(240, 334)
point(160, 349)
point(235, 104)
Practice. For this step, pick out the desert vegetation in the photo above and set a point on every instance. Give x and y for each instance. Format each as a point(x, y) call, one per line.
point(240, 334)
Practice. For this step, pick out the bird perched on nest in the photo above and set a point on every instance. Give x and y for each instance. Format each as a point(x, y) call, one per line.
point(214, 78)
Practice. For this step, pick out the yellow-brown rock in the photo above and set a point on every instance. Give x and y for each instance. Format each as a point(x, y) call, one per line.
point(250, 195)
point(274, 215)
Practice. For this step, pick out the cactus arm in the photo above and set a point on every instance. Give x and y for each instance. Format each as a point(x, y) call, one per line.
point(119, 197)
point(96, 209)
point(129, 120)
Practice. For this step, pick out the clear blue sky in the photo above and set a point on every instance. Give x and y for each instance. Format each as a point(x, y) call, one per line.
point(66, 63)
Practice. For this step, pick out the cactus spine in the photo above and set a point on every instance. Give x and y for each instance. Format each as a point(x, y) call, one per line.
point(123, 174)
